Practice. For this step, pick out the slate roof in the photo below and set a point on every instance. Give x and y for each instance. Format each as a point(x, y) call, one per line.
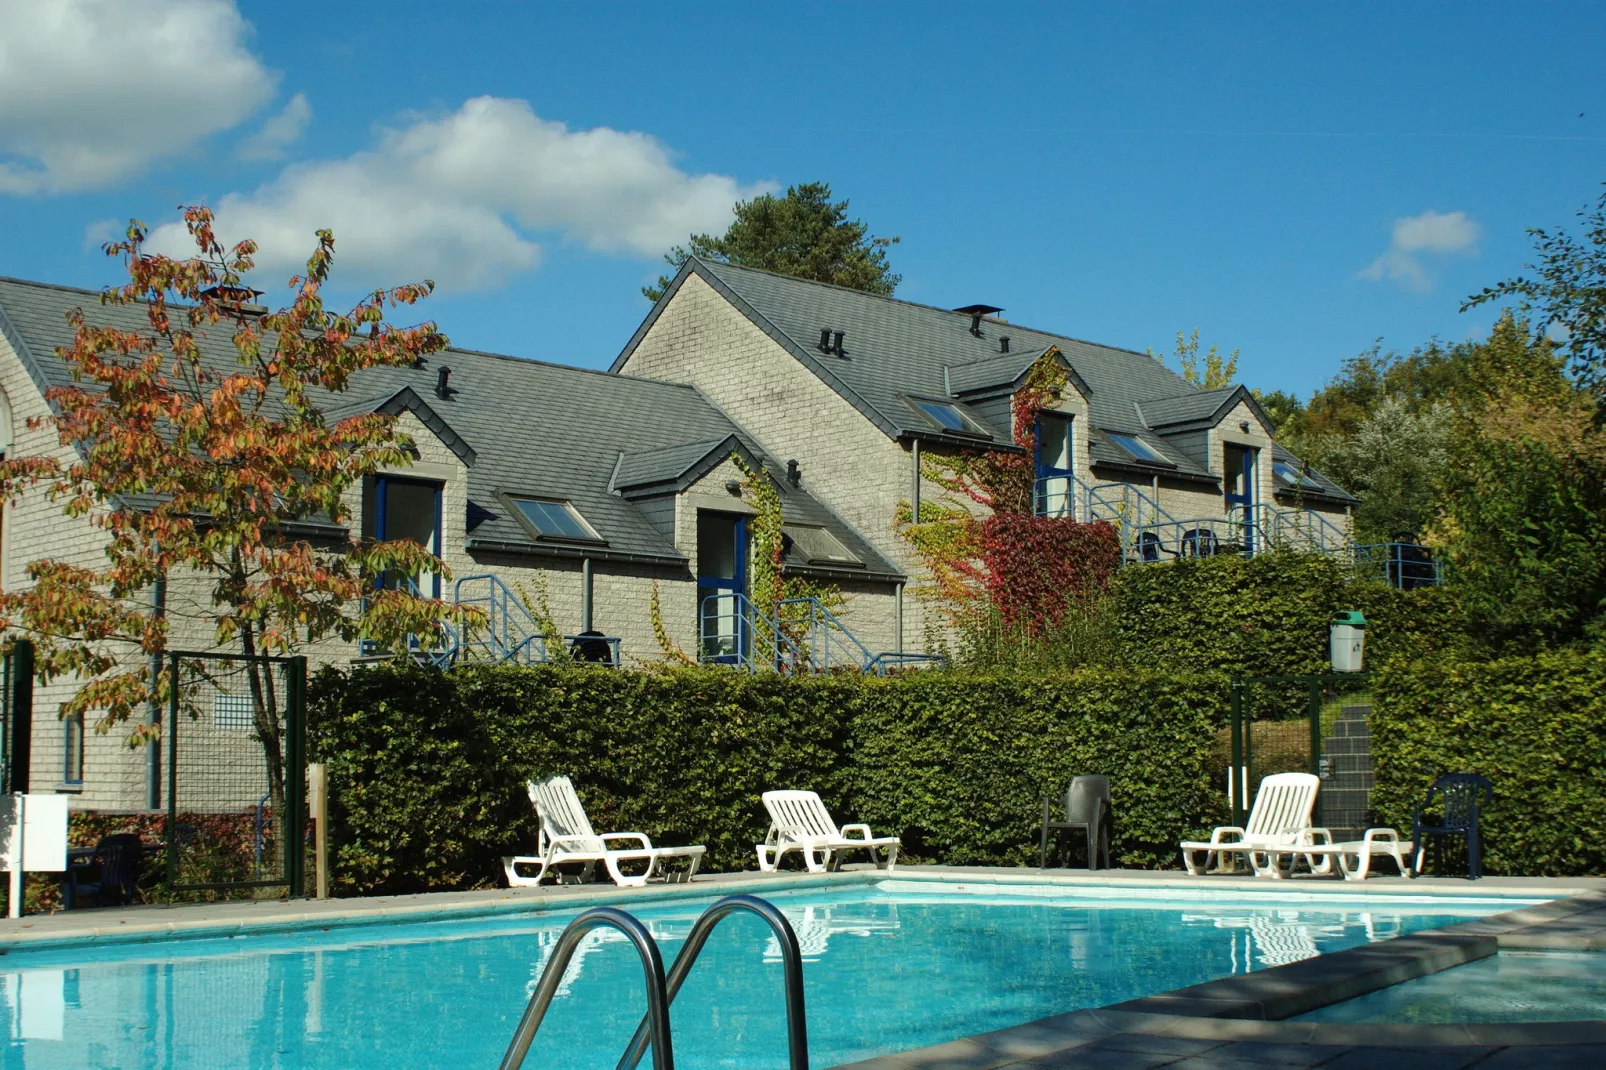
point(522, 426)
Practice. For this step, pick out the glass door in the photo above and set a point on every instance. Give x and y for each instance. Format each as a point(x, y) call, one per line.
point(1238, 480)
point(722, 631)
point(1054, 492)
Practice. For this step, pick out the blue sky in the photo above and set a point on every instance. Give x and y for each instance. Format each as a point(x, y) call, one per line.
point(1294, 180)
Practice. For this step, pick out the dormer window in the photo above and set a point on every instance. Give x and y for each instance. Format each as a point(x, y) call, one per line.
point(552, 518)
point(947, 416)
point(1290, 476)
point(1138, 449)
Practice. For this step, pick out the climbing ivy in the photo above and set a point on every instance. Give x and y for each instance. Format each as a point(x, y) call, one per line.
point(1007, 564)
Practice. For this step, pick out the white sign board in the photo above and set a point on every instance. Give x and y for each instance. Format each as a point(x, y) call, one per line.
point(43, 832)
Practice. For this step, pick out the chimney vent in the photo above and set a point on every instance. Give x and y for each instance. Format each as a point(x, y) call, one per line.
point(442, 390)
point(836, 344)
point(1003, 344)
point(793, 475)
point(825, 339)
point(976, 312)
point(239, 299)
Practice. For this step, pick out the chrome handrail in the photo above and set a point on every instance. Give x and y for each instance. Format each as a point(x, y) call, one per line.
point(656, 1022)
point(797, 1040)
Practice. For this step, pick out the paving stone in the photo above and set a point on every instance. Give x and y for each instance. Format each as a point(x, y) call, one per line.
point(1553, 1057)
point(1105, 1059)
point(1158, 1045)
point(1407, 1059)
point(1262, 1053)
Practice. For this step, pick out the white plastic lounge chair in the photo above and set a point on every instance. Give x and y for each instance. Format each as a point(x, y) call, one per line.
point(1355, 856)
point(1279, 823)
point(800, 822)
point(566, 836)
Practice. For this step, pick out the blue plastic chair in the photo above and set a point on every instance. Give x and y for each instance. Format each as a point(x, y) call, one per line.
point(1461, 797)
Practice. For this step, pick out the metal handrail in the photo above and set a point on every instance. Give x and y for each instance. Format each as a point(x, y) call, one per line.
point(797, 1040)
point(654, 1026)
point(820, 624)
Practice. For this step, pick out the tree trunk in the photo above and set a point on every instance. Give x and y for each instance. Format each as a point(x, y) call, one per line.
point(265, 706)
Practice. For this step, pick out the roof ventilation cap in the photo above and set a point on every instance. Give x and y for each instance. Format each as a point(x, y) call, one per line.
point(1003, 344)
point(241, 300)
point(442, 378)
point(825, 339)
point(976, 312)
point(836, 344)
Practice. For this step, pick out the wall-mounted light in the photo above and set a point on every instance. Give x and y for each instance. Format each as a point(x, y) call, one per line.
point(734, 486)
point(1243, 425)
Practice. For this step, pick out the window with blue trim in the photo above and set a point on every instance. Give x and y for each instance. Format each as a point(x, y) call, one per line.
point(1054, 492)
point(397, 508)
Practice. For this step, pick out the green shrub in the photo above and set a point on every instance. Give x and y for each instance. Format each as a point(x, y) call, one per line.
point(1268, 615)
point(1535, 726)
point(427, 768)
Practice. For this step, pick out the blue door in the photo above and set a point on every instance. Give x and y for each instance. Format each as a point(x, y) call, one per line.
point(722, 627)
point(407, 509)
point(1238, 480)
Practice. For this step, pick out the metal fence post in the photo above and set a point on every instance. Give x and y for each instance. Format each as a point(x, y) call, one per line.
point(295, 825)
point(1235, 774)
point(19, 719)
point(172, 769)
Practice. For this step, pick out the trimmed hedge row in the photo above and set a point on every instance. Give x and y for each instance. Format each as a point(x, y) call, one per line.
point(427, 768)
point(1535, 726)
point(1268, 615)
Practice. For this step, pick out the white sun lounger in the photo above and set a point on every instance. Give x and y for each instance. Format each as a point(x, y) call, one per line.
point(566, 836)
point(800, 822)
point(1279, 824)
point(1355, 856)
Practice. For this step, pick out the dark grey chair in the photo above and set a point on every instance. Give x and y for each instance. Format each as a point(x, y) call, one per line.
point(1087, 807)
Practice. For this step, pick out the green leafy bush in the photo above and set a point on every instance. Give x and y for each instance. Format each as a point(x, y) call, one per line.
point(1268, 615)
point(427, 769)
point(1535, 726)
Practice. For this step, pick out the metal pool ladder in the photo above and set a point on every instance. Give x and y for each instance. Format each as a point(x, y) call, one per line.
point(661, 991)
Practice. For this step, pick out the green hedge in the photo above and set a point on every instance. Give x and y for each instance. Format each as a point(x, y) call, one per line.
point(427, 769)
point(1268, 615)
point(1535, 726)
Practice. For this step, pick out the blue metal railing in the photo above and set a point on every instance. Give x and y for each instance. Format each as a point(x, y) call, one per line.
point(1405, 565)
point(822, 640)
point(802, 635)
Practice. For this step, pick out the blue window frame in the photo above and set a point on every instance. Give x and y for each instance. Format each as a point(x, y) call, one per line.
point(1239, 466)
point(403, 508)
point(1054, 453)
point(722, 627)
point(1138, 449)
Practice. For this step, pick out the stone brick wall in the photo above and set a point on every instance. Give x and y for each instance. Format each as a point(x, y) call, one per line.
point(846, 462)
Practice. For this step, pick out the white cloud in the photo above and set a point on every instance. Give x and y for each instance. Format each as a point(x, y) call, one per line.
point(279, 132)
point(1437, 233)
point(460, 198)
point(92, 91)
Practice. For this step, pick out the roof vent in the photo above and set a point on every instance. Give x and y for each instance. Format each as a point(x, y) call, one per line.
point(825, 339)
point(976, 312)
point(836, 344)
point(793, 475)
point(1003, 344)
point(239, 299)
point(442, 378)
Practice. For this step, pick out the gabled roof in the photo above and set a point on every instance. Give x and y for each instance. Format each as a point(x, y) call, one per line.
point(896, 348)
point(1003, 372)
point(1204, 408)
point(677, 467)
point(536, 428)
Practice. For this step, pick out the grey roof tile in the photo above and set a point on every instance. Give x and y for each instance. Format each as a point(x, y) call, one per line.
point(895, 348)
point(536, 428)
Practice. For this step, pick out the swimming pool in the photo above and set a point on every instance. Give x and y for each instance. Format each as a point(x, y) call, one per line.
point(1510, 986)
point(887, 968)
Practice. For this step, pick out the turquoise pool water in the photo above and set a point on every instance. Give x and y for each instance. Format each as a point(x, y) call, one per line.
point(885, 971)
point(1511, 986)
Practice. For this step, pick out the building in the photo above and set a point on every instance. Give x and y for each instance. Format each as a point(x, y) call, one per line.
point(571, 501)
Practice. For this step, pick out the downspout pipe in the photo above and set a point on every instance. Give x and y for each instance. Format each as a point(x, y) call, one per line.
point(585, 594)
point(914, 488)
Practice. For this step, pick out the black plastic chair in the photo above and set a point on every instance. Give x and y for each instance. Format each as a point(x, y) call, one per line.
point(1200, 542)
point(1461, 797)
point(116, 864)
point(592, 648)
point(1087, 807)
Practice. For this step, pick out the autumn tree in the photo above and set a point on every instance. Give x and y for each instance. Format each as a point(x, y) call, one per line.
point(199, 444)
point(1215, 370)
point(804, 234)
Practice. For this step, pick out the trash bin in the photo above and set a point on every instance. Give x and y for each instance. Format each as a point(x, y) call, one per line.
point(1347, 638)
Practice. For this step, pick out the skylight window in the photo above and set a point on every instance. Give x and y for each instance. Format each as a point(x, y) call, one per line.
point(818, 546)
point(947, 416)
point(553, 519)
point(1291, 476)
point(1139, 449)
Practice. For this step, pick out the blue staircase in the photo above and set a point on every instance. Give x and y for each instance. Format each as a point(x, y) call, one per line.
point(510, 635)
point(801, 636)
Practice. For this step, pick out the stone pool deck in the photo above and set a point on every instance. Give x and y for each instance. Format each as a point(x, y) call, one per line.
point(1226, 1023)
